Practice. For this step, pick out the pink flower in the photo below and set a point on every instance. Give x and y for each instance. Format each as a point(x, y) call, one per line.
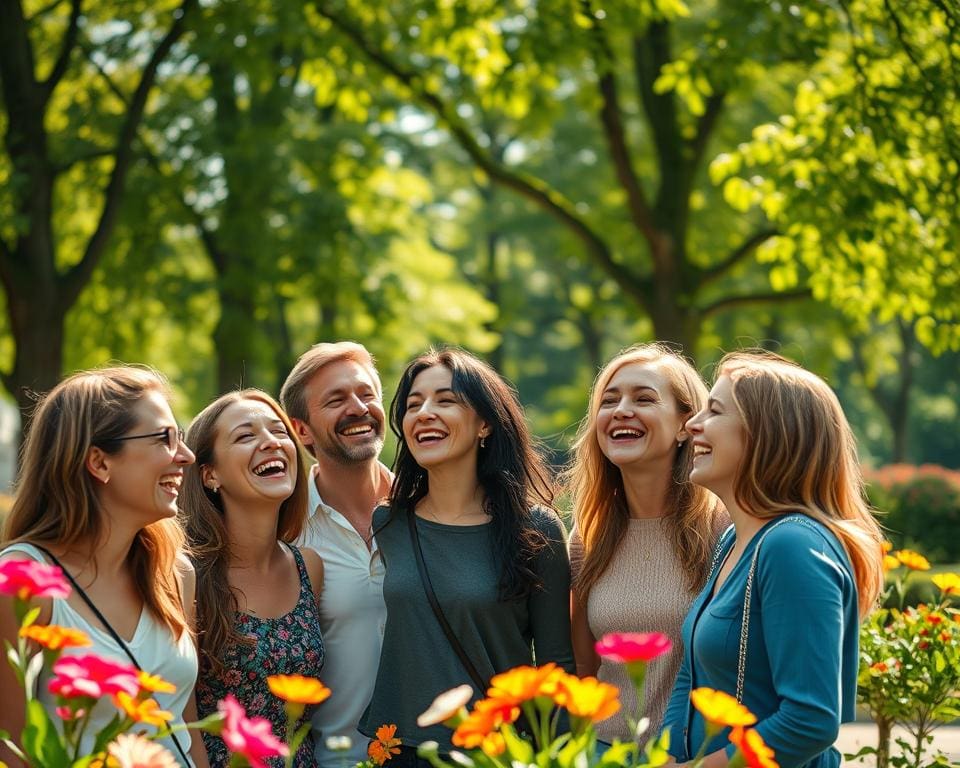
point(28, 578)
point(629, 647)
point(251, 737)
point(92, 676)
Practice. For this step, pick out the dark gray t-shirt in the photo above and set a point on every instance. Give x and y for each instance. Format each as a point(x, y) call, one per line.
point(417, 662)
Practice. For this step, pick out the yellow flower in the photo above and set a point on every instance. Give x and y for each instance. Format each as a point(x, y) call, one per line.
point(147, 711)
point(298, 689)
point(948, 583)
point(154, 683)
point(133, 751)
point(493, 744)
point(913, 560)
point(886, 546)
point(721, 708)
point(522, 683)
point(55, 638)
point(890, 563)
point(587, 697)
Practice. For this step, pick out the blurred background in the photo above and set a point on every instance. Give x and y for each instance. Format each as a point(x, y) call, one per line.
point(210, 187)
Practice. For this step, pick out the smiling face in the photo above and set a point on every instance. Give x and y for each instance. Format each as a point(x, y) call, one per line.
point(143, 478)
point(439, 427)
point(346, 418)
point(254, 457)
point(718, 442)
point(638, 421)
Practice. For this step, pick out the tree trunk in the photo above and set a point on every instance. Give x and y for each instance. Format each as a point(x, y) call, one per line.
point(884, 728)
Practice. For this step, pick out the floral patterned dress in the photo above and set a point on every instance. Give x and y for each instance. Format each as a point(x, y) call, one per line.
point(288, 645)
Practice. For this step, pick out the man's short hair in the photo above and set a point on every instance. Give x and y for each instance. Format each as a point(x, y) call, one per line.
point(317, 357)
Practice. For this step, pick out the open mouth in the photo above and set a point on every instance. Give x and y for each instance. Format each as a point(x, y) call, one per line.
point(626, 433)
point(171, 483)
point(701, 450)
point(355, 431)
point(270, 468)
point(429, 436)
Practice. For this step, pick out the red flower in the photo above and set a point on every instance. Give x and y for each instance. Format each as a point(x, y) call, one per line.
point(28, 578)
point(924, 644)
point(628, 647)
point(755, 752)
point(92, 676)
point(251, 737)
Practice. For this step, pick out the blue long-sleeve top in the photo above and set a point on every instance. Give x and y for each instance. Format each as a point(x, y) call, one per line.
point(802, 649)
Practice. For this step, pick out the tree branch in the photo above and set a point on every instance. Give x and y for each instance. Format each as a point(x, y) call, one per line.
point(66, 49)
point(745, 249)
point(729, 302)
point(41, 12)
point(705, 126)
point(74, 280)
point(530, 187)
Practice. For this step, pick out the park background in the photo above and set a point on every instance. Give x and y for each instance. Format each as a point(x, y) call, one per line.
point(211, 186)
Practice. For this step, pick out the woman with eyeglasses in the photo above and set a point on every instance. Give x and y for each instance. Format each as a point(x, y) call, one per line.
point(101, 471)
point(244, 502)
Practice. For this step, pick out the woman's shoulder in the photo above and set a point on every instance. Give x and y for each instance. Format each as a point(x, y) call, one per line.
point(14, 552)
point(381, 516)
point(548, 522)
point(796, 541)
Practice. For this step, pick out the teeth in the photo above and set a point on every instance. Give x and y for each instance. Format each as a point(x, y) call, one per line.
point(275, 464)
point(701, 450)
point(430, 435)
point(626, 433)
point(173, 481)
point(358, 430)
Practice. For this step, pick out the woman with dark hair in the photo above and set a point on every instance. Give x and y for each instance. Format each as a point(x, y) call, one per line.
point(102, 467)
point(469, 524)
point(776, 624)
point(243, 503)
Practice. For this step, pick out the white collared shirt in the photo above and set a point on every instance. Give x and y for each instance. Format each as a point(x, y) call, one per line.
point(352, 618)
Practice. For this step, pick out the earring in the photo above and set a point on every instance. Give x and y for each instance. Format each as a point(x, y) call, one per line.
point(483, 441)
point(215, 488)
point(680, 444)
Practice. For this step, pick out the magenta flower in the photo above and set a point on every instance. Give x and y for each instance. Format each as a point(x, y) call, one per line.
point(92, 676)
point(630, 647)
point(251, 737)
point(28, 578)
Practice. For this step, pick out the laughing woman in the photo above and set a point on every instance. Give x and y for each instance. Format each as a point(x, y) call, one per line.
point(776, 625)
point(243, 503)
point(465, 505)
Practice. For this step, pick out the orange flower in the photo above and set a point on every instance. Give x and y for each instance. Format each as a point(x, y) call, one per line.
point(523, 683)
point(721, 708)
point(913, 560)
point(385, 746)
point(493, 744)
point(476, 726)
point(147, 711)
point(751, 745)
point(154, 683)
point(298, 689)
point(890, 563)
point(880, 666)
point(587, 697)
point(948, 583)
point(55, 638)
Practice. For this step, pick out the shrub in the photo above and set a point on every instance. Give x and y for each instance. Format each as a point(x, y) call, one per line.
point(921, 506)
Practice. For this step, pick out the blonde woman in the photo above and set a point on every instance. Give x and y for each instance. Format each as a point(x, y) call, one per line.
point(102, 467)
point(243, 504)
point(643, 534)
point(776, 624)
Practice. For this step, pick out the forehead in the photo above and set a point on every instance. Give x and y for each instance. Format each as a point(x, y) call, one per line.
point(342, 374)
point(433, 378)
point(723, 388)
point(244, 411)
point(153, 409)
point(635, 375)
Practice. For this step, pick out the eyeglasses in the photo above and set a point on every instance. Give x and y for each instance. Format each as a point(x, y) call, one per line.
point(173, 435)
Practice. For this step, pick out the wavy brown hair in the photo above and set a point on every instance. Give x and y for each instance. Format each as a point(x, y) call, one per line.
point(202, 515)
point(56, 502)
point(800, 455)
point(599, 502)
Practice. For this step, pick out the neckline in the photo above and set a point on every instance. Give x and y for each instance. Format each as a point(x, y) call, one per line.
point(94, 624)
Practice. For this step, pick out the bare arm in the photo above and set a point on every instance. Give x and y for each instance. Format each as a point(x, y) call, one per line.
point(314, 565)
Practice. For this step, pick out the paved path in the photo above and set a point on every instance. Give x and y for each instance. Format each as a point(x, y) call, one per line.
point(853, 736)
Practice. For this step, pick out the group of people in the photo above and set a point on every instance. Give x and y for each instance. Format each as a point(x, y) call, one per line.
point(223, 556)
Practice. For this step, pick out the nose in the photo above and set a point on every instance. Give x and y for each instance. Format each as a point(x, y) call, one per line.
point(270, 440)
point(356, 405)
point(425, 411)
point(623, 407)
point(694, 425)
point(184, 456)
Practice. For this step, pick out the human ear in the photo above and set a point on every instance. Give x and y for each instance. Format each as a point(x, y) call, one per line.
point(98, 464)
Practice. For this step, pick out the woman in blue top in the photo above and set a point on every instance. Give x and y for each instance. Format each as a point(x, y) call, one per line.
point(777, 623)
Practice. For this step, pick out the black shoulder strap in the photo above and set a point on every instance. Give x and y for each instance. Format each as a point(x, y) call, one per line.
point(107, 626)
point(477, 678)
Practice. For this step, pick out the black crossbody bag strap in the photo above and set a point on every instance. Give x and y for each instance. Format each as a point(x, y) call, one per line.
point(109, 627)
point(477, 678)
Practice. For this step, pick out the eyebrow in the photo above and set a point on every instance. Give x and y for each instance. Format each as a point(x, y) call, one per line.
point(416, 393)
point(249, 425)
point(635, 388)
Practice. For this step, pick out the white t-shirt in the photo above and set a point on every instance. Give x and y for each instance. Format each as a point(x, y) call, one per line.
point(152, 645)
point(352, 618)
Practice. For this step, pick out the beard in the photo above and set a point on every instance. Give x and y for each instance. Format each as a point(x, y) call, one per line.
point(333, 447)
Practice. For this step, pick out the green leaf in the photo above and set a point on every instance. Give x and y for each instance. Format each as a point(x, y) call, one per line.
point(41, 739)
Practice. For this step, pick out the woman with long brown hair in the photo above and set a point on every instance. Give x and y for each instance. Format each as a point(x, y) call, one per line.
point(776, 624)
point(643, 534)
point(103, 462)
point(243, 504)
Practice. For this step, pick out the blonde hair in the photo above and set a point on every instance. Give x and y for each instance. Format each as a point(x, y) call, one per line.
point(201, 511)
point(599, 504)
point(319, 356)
point(55, 500)
point(800, 455)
